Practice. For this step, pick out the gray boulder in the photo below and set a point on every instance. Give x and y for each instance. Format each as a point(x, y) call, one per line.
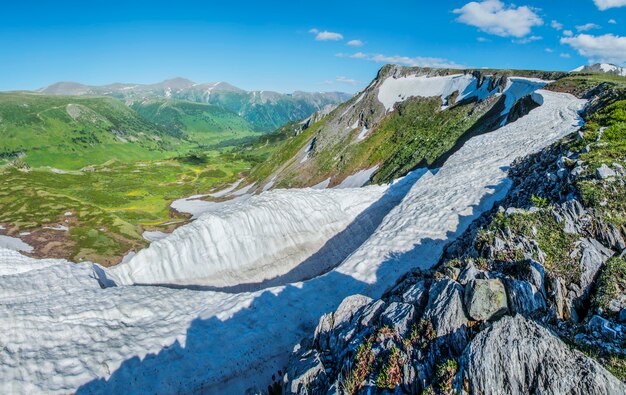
point(593, 256)
point(485, 299)
point(335, 329)
point(604, 172)
point(371, 313)
point(305, 374)
point(416, 293)
point(445, 312)
point(517, 356)
point(523, 297)
point(469, 273)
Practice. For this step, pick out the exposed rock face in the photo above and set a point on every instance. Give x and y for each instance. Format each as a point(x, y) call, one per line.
point(445, 311)
point(524, 298)
point(306, 374)
point(399, 316)
point(517, 356)
point(485, 299)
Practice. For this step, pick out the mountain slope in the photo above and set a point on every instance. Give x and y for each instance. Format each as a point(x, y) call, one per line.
point(406, 118)
point(71, 132)
point(199, 122)
point(263, 110)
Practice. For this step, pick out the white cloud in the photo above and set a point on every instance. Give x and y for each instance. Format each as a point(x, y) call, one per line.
point(355, 43)
point(568, 33)
point(565, 55)
point(587, 27)
point(483, 40)
point(556, 25)
point(326, 35)
point(605, 48)
point(493, 17)
point(527, 40)
point(418, 61)
point(549, 50)
point(612, 21)
point(345, 80)
point(606, 4)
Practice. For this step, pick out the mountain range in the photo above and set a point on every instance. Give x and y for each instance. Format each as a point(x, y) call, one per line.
point(263, 110)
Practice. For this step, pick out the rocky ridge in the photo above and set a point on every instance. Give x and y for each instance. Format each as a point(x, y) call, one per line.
point(510, 306)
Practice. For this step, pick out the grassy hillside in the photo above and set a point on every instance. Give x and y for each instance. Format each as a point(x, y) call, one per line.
point(71, 132)
point(205, 124)
point(417, 134)
point(107, 209)
point(133, 166)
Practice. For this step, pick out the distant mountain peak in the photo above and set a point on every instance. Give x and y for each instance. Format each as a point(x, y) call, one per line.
point(606, 68)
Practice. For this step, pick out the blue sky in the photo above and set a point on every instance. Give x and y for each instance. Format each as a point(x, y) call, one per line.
point(296, 45)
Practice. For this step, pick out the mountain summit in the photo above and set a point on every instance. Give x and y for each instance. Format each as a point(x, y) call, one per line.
point(606, 68)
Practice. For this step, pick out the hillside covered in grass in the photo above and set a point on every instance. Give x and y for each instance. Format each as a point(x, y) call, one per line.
point(72, 132)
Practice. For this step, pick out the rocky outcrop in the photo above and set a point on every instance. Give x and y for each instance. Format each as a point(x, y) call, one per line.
point(518, 356)
point(512, 299)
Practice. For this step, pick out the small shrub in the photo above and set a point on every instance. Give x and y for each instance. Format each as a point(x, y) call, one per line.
point(540, 202)
point(445, 374)
point(363, 361)
point(390, 375)
point(611, 282)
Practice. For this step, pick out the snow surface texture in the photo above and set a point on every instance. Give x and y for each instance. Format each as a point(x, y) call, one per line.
point(268, 236)
point(63, 332)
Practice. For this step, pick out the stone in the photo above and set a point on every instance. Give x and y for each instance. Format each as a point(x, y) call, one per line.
point(445, 312)
point(517, 356)
point(416, 293)
point(602, 326)
point(621, 317)
point(485, 299)
point(371, 313)
point(306, 373)
point(399, 316)
point(593, 256)
point(604, 172)
point(523, 297)
point(469, 273)
point(331, 331)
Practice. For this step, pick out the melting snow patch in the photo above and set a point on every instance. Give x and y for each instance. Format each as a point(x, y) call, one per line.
point(322, 185)
point(15, 244)
point(363, 134)
point(227, 190)
point(57, 227)
point(394, 90)
point(357, 179)
point(518, 87)
point(154, 235)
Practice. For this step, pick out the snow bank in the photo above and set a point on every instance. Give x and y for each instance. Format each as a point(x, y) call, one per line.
point(395, 90)
point(267, 236)
point(62, 331)
point(357, 179)
point(518, 87)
